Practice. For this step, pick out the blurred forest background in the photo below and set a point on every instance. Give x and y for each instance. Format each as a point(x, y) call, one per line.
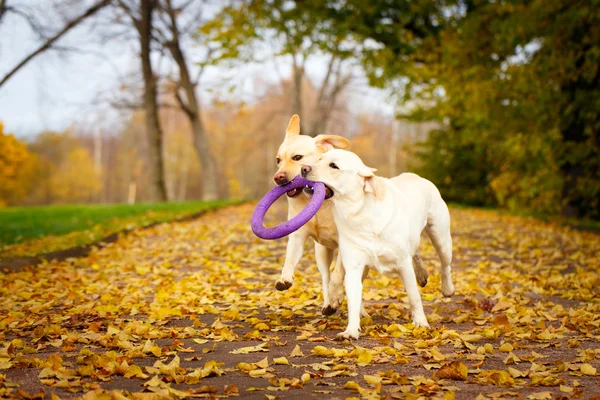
point(496, 101)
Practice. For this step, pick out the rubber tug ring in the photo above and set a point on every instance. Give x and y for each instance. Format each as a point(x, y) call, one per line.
point(293, 224)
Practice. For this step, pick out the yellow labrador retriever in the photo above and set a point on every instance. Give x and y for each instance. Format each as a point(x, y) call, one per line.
point(379, 223)
point(295, 151)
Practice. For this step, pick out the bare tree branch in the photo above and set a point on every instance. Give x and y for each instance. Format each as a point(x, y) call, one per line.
point(129, 11)
point(326, 104)
point(325, 83)
point(32, 21)
point(124, 104)
point(319, 112)
point(186, 109)
point(297, 79)
point(48, 44)
point(3, 9)
point(341, 83)
point(202, 68)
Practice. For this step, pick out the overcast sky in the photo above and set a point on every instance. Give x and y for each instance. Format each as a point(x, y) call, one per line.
point(58, 89)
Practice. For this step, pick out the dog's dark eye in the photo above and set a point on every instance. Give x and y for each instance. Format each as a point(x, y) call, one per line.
point(332, 165)
point(297, 158)
point(278, 161)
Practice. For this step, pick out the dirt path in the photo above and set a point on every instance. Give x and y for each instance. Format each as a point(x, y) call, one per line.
point(189, 309)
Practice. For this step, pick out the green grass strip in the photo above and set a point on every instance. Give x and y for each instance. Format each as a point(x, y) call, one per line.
point(34, 230)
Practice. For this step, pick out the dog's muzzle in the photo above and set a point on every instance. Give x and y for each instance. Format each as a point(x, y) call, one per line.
point(282, 179)
point(307, 169)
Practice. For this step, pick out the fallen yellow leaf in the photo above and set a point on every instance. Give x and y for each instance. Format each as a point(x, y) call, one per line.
point(587, 369)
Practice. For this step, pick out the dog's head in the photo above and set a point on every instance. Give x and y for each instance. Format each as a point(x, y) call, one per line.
point(342, 172)
point(297, 150)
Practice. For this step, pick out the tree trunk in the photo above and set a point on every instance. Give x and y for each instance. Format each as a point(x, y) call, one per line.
point(322, 113)
point(158, 190)
point(210, 172)
point(298, 77)
point(182, 190)
point(327, 97)
point(318, 122)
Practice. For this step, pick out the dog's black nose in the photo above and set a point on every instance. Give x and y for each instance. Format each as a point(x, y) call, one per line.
point(280, 178)
point(306, 170)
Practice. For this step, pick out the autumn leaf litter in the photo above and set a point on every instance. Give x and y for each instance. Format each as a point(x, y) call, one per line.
point(190, 310)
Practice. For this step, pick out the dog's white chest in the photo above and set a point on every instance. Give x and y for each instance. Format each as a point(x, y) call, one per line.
point(385, 258)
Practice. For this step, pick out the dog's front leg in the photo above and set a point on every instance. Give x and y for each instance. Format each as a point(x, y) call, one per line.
point(354, 286)
point(324, 256)
point(363, 310)
point(293, 253)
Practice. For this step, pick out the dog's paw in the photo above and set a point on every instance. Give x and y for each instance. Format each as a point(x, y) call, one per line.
point(420, 322)
point(328, 310)
point(347, 334)
point(283, 284)
point(448, 289)
point(336, 296)
point(422, 279)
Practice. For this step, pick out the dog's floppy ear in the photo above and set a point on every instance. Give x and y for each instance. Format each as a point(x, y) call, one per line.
point(368, 174)
point(293, 127)
point(330, 142)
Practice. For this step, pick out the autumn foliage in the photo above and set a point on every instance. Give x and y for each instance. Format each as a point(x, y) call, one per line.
point(17, 166)
point(57, 168)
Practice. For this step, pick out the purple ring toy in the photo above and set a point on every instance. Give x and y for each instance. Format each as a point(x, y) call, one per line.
point(293, 224)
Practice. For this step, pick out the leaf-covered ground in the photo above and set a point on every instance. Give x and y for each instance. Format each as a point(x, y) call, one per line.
point(189, 309)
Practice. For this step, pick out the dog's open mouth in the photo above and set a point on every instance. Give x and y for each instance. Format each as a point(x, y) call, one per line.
point(328, 192)
point(294, 192)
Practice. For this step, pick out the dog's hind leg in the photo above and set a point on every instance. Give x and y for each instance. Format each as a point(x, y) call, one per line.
point(412, 291)
point(420, 271)
point(438, 231)
point(336, 288)
point(336, 285)
point(324, 256)
point(293, 253)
